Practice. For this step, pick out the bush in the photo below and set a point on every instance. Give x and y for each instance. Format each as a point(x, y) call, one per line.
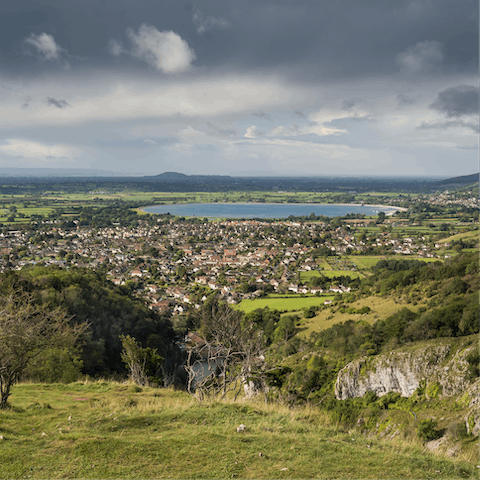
point(390, 397)
point(473, 369)
point(345, 412)
point(427, 430)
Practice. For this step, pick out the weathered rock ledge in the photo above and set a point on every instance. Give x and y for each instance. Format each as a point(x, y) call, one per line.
point(440, 367)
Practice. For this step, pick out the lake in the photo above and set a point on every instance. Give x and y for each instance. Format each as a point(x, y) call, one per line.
point(264, 210)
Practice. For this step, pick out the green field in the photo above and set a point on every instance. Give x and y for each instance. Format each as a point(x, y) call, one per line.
point(323, 264)
point(112, 430)
point(305, 277)
point(283, 303)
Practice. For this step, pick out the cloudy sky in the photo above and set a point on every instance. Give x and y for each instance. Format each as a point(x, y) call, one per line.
point(241, 87)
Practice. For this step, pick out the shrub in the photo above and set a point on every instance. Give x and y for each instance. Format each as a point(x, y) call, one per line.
point(473, 369)
point(427, 430)
point(390, 397)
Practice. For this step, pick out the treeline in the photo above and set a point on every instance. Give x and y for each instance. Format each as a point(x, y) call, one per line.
point(109, 310)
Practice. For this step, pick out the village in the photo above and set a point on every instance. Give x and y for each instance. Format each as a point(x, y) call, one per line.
point(174, 264)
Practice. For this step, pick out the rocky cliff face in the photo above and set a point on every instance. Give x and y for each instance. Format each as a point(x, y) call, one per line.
point(439, 368)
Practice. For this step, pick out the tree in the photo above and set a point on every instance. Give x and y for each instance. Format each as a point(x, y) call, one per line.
point(229, 355)
point(26, 330)
point(381, 217)
point(143, 363)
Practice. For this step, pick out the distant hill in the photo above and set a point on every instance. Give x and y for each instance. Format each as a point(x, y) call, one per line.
point(462, 180)
point(183, 178)
point(168, 176)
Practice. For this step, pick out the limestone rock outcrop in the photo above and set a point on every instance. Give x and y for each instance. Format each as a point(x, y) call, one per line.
point(440, 367)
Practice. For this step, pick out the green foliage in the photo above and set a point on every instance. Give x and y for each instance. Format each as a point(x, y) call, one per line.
point(286, 328)
point(310, 312)
point(109, 310)
point(473, 369)
point(427, 430)
point(55, 365)
point(345, 412)
point(433, 390)
point(266, 319)
point(388, 399)
point(144, 363)
point(277, 376)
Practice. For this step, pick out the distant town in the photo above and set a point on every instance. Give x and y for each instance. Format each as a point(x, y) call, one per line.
point(174, 263)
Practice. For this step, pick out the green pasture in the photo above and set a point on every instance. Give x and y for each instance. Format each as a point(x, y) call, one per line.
point(283, 303)
point(322, 263)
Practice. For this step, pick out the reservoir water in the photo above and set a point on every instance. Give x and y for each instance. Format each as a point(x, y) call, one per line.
point(264, 210)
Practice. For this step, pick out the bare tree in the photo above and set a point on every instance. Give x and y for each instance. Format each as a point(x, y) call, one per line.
point(229, 354)
point(26, 330)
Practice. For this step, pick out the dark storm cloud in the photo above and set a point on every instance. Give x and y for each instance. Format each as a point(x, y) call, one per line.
point(449, 124)
point(303, 40)
point(457, 101)
point(57, 103)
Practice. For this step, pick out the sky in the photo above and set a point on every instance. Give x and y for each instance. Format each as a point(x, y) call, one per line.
point(241, 87)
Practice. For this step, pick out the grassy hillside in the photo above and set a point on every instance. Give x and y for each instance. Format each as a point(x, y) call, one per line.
point(380, 307)
point(112, 430)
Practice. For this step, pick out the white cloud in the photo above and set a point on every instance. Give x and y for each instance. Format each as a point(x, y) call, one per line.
point(190, 132)
point(286, 131)
point(253, 132)
point(207, 23)
point(165, 51)
point(46, 48)
point(422, 57)
point(98, 98)
point(39, 151)
point(320, 121)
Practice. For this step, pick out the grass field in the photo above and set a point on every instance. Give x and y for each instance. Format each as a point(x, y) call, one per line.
point(111, 430)
point(322, 263)
point(283, 303)
point(380, 307)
